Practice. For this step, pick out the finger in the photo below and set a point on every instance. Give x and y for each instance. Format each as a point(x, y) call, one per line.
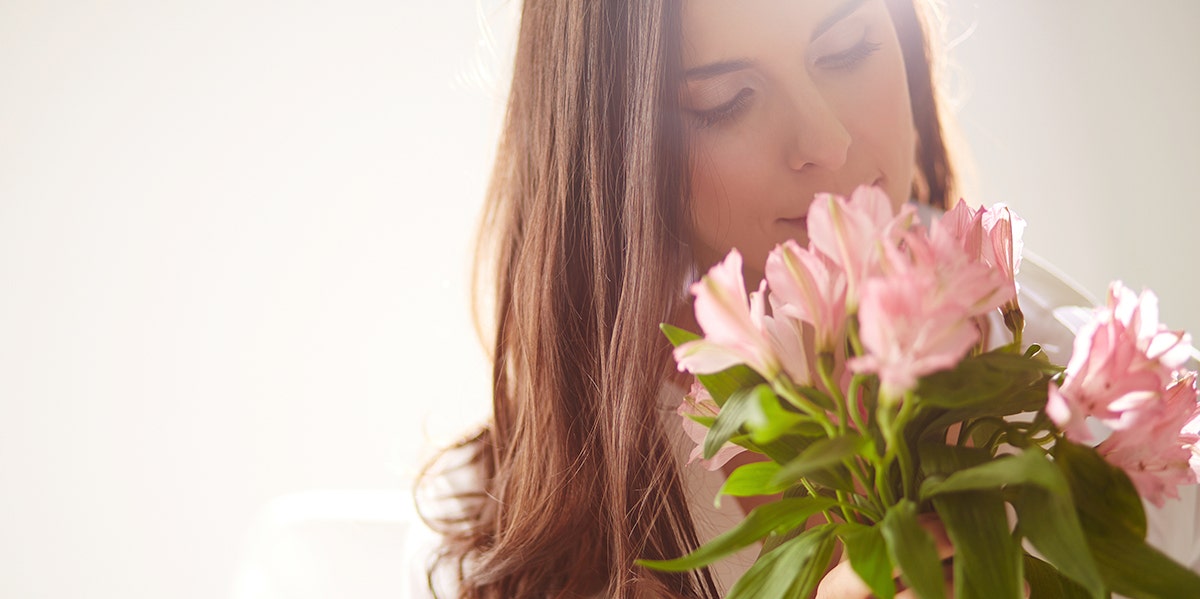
point(941, 540)
point(842, 582)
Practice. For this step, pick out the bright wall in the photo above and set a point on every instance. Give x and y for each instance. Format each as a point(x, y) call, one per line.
point(235, 240)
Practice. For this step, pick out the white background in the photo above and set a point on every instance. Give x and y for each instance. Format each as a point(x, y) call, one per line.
point(235, 240)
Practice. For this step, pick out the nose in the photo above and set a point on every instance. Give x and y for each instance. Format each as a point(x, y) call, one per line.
point(817, 136)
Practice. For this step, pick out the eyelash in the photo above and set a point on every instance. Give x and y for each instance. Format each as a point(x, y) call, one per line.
point(709, 118)
point(841, 61)
point(850, 58)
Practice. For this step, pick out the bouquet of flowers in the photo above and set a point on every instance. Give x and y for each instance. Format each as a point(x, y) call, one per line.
point(869, 388)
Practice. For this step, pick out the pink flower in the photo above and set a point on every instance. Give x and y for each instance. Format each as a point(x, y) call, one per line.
point(700, 403)
point(965, 227)
point(807, 287)
point(786, 336)
point(1123, 359)
point(1190, 437)
point(1155, 451)
point(1005, 231)
point(853, 233)
point(909, 328)
point(733, 324)
point(962, 278)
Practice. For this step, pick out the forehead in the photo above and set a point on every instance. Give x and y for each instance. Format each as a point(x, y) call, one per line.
point(720, 29)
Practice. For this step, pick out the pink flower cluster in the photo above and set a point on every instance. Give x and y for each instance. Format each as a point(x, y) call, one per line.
point(1125, 372)
point(918, 312)
point(914, 293)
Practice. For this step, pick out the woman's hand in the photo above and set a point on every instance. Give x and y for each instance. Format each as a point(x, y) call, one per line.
point(841, 582)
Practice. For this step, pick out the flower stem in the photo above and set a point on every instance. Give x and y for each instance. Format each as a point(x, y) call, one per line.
point(964, 435)
point(784, 388)
point(825, 371)
point(896, 448)
point(852, 336)
point(852, 396)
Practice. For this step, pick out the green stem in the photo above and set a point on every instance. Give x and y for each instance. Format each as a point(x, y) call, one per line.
point(965, 433)
point(904, 452)
point(784, 388)
point(852, 396)
point(881, 487)
point(852, 335)
point(824, 370)
point(1003, 434)
point(812, 492)
point(860, 476)
point(896, 449)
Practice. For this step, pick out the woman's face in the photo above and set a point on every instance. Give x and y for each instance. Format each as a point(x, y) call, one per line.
point(783, 99)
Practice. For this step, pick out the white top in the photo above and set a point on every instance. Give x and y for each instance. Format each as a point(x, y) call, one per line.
point(370, 544)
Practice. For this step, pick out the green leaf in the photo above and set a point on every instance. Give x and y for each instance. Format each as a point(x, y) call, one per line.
point(982, 379)
point(793, 570)
point(912, 548)
point(743, 405)
point(723, 384)
point(1048, 520)
point(987, 561)
point(751, 480)
point(1046, 582)
point(817, 396)
point(1025, 468)
point(869, 557)
point(772, 421)
point(1044, 506)
point(676, 335)
point(941, 460)
point(1137, 570)
point(823, 454)
point(720, 384)
point(1031, 399)
point(1111, 495)
point(1113, 521)
point(772, 518)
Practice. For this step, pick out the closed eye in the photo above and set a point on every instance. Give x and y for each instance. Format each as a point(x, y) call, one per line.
point(849, 58)
point(724, 112)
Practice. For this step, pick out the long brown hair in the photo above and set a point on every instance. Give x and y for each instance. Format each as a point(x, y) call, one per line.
point(586, 224)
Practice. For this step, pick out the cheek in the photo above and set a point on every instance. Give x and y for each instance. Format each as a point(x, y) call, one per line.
point(878, 114)
point(732, 187)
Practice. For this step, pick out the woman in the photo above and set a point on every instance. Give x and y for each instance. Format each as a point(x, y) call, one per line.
point(643, 141)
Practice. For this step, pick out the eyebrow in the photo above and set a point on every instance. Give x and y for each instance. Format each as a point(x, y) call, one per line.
point(843, 11)
point(717, 69)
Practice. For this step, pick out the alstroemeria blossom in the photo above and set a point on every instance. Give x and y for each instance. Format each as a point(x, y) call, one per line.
point(733, 324)
point(699, 402)
point(807, 287)
point(1122, 361)
point(906, 334)
point(853, 232)
point(1190, 437)
point(918, 317)
point(786, 336)
point(1155, 451)
point(965, 227)
point(961, 278)
point(1004, 243)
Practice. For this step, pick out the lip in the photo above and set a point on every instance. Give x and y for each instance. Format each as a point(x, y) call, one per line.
point(802, 221)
